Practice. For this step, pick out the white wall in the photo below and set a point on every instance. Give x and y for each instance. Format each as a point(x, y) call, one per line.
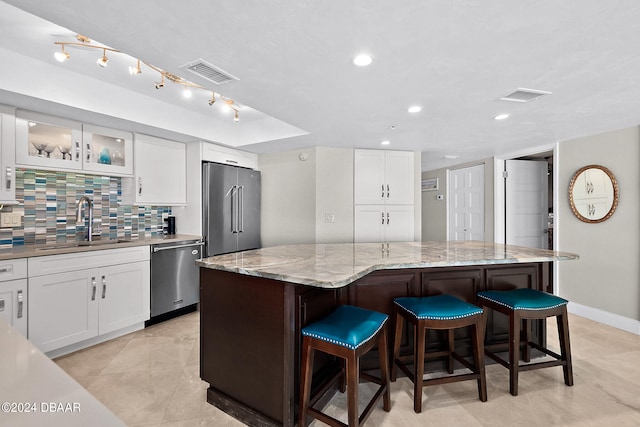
point(334, 194)
point(604, 283)
point(288, 197)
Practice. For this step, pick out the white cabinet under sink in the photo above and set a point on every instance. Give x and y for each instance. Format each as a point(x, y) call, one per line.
point(79, 297)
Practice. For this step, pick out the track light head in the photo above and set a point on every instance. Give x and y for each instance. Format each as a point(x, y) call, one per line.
point(159, 85)
point(62, 55)
point(103, 61)
point(213, 98)
point(236, 117)
point(135, 70)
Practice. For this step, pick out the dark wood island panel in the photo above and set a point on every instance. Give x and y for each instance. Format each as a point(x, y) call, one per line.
point(250, 326)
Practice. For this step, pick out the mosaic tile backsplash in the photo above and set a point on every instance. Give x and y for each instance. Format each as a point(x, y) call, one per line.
point(48, 202)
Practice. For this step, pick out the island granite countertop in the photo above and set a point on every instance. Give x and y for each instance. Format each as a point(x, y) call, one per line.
point(336, 265)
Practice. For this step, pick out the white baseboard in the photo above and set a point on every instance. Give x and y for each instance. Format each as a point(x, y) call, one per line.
point(93, 341)
point(611, 319)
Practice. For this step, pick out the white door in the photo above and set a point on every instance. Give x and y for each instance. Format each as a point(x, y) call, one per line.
point(526, 203)
point(466, 203)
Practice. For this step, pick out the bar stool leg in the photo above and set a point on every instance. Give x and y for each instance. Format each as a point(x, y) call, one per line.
point(452, 344)
point(526, 330)
point(306, 370)
point(477, 332)
point(353, 369)
point(565, 346)
point(418, 363)
point(397, 340)
point(384, 369)
point(514, 351)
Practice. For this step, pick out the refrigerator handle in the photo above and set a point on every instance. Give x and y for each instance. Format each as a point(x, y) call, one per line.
point(234, 209)
point(241, 208)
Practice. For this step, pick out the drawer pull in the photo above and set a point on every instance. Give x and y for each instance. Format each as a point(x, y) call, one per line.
point(20, 304)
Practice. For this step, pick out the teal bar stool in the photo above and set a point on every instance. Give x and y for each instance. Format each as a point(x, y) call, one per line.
point(348, 333)
point(444, 312)
point(522, 305)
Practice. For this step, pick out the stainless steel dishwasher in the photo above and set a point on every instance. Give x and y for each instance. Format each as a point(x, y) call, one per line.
point(175, 278)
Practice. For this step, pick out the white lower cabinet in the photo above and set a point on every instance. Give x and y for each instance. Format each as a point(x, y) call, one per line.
point(13, 293)
point(108, 291)
point(383, 223)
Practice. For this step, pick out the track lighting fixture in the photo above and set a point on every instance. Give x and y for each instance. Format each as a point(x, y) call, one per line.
point(133, 71)
point(103, 61)
point(85, 43)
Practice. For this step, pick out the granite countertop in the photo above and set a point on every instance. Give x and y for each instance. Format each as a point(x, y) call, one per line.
point(28, 251)
point(34, 391)
point(339, 264)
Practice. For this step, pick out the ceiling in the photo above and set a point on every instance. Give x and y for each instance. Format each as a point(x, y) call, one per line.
point(299, 88)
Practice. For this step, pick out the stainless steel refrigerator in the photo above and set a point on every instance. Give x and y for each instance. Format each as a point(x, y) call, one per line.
point(231, 208)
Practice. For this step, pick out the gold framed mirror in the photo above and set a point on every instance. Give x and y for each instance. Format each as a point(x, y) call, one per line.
point(593, 194)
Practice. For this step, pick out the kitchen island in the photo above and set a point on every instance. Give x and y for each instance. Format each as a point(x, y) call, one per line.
point(254, 304)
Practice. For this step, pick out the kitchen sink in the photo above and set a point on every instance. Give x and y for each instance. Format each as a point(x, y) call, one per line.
point(81, 244)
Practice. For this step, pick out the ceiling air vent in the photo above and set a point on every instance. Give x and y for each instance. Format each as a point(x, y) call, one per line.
point(202, 68)
point(524, 95)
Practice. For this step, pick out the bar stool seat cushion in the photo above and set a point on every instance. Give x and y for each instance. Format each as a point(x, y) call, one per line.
point(347, 326)
point(524, 299)
point(439, 307)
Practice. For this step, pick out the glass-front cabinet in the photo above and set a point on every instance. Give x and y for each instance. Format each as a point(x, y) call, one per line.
point(107, 150)
point(52, 143)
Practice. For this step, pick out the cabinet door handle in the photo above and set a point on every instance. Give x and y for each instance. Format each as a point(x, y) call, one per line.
point(77, 150)
point(104, 287)
point(387, 191)
point(93, 293)
point(9, 176)
point(20, 304)
point(382, 214)
point(88, 152)
point(382, 195)
point(1, 304)
point(387, 218)
point(140, 186)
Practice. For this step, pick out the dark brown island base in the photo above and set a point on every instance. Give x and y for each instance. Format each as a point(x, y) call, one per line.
point(254, 304)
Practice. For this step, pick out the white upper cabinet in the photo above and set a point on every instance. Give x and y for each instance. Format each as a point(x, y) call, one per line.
point(160, 171)
point(52, 143)
point(7, 155)
point(383, 177)
point(219, 154)
point(107, 151)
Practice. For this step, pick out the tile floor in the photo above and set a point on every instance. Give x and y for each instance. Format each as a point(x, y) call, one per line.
point(151, 378)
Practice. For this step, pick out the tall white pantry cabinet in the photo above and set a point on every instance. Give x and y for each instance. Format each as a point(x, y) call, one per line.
point(383, 196)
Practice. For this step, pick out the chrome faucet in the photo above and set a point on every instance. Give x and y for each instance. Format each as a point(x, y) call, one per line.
point(90, 215)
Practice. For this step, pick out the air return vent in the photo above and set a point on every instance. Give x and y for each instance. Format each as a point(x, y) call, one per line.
point(202, 68)
point(524, 95)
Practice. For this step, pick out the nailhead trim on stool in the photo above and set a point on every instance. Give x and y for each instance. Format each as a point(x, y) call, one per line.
point(524, 305)
point(348, 333)
point(444, 312)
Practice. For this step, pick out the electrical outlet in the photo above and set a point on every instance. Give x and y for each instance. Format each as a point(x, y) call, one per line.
point(329, 218)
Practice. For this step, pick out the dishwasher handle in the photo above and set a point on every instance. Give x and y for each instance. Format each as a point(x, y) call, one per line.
point(166, 248)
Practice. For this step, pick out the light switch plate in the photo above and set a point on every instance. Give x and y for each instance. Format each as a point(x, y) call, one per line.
point(10, 219)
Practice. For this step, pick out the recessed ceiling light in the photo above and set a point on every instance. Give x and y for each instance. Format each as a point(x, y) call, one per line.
point(415, 109)
point(363, 60)
point(385, 142)
point(501, 116)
